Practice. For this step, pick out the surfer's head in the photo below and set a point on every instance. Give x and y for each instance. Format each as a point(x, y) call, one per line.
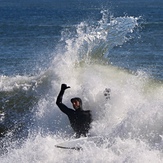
point(77, 103)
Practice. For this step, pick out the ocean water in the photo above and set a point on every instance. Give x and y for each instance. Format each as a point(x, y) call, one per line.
point(91, 46)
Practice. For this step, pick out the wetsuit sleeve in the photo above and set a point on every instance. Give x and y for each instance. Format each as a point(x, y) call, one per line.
point(59, 103)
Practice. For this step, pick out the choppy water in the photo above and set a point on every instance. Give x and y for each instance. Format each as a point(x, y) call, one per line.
point(90, 46)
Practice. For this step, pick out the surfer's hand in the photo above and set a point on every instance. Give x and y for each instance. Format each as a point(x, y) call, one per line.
point(64, 87)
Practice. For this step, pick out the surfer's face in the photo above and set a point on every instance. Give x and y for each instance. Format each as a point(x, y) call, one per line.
point(76, 104)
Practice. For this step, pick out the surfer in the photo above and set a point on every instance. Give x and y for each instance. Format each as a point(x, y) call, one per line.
point(80, 119)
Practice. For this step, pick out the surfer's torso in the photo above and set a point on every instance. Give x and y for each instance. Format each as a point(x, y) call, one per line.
point(80, 121)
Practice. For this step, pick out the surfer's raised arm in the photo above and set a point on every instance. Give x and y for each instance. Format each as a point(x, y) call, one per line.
point(60, 96)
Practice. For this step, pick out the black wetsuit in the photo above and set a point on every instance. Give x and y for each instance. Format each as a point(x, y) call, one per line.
point(80, 119)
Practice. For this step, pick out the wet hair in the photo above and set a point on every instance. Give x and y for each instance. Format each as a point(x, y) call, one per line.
point(76, 99)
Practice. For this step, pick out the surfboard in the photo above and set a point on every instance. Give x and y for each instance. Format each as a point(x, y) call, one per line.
point(78, 144)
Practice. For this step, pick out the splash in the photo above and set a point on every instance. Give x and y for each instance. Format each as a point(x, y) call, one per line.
point(88, 41)
point(132, 116)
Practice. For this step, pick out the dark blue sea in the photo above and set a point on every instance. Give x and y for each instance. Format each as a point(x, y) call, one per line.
point(90, 45)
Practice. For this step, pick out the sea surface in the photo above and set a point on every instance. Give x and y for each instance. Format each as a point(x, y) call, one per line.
point(90, 45)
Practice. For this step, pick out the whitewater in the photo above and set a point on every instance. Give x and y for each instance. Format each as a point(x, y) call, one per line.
point(131, 118)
